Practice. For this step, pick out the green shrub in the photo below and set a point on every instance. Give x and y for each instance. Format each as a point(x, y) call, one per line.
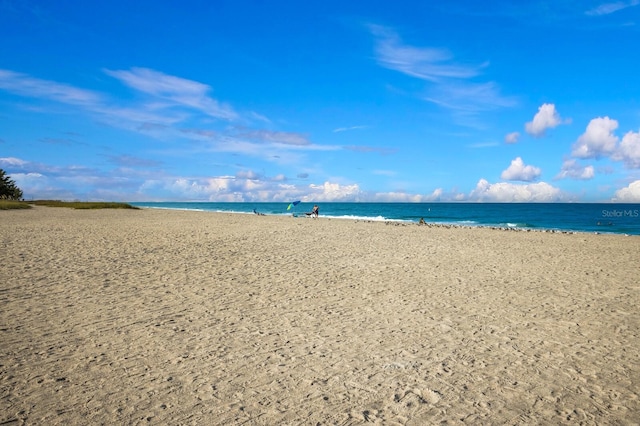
point(13, 205)
point(83, 204)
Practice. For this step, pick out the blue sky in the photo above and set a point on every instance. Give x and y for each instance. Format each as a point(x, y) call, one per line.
point(321, 101)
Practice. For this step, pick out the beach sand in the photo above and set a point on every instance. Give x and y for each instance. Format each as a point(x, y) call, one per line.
point(177, 317)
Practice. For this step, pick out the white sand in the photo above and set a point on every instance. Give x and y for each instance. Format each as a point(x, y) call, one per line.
point(167, 317)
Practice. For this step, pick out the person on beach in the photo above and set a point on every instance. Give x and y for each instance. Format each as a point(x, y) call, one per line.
point(314, 212)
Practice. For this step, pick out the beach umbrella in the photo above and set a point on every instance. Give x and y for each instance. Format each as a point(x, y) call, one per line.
point(294, 203)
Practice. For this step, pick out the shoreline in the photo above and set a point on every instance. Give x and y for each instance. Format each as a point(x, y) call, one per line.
point(403, 222)
point(167, 317)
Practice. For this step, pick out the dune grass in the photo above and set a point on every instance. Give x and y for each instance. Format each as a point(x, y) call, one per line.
point(13, 205)
point(83, 204)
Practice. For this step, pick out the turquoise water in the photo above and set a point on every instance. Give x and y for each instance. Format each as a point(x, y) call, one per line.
point(602, 218)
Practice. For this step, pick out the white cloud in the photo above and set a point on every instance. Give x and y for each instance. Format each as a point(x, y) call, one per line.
point(546, 118)
point(12, 161)
point(36, 185)
point(421, 62)
point(221, 188)
point(248, 187)
point(507, 192)
point(519, 171)
point(141, 118)
point(436, 194)
point(346, 129)
point(285, 138)
point(459, 197)
point(629, 194)
point(451, 88)
point(512, 137)
point(333, 192)
point(608, 8)
point(248, 174)
point(629, 150)
point(177, 90)
point(394, 197)
point(571, 169)
point(23, 179)
point(598, 140)
point(402, 197)
point(469, 97)
point(24, 85)
point(171, 91)
point(170, 100)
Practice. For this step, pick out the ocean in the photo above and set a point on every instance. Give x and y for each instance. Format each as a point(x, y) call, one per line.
point(573, 217)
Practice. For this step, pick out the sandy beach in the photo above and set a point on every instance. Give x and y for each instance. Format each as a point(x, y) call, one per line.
point(177, 317)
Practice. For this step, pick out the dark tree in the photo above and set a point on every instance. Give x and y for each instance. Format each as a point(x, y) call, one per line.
point(8, 188)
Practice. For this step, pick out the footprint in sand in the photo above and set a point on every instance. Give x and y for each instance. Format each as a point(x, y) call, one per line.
point(430, 396)
point(426, 396)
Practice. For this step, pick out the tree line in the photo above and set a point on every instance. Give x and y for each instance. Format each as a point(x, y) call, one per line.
point(8, 188)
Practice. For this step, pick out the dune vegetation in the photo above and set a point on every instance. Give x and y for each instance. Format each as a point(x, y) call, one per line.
point(83, 204)
point(14, 205)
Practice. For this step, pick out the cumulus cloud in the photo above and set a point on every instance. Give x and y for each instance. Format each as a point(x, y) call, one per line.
point(629, 194)
point(248, 174)
point(571, 169)
point(220, 188)
point(629, 150)
point(598, 140)
point(401, 197)
point(519, 171)
point(546, 118)
point(512, 137)
point(436, 194)
point(249, 187)
point(507, 192)
point(334, 192)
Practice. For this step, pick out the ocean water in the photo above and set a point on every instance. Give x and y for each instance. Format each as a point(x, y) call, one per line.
point(591, 217)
